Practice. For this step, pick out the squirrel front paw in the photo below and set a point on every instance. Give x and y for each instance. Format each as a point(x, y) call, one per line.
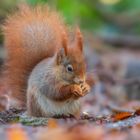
point(76, 91)
point(85, 88)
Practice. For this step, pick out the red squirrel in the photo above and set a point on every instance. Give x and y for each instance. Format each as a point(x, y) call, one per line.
point(45, 68)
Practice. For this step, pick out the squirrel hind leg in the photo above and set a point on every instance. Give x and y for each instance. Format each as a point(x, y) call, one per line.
point(33, 109)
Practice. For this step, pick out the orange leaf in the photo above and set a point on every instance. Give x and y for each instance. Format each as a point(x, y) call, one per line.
point(121, 116)
point(16, 133)
point(52, 123)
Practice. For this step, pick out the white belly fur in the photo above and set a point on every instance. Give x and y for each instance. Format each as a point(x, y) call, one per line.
point(51, 108)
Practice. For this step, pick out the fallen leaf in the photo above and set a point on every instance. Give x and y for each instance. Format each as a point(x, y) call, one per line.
point(121, 116)
point(16, 133)
point(52, 123)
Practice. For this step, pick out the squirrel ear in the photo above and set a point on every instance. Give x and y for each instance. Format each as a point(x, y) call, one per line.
point(60, 55)
point(64, 42)
point(79, 39)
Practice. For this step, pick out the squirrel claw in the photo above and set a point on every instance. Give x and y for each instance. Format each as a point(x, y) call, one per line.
point(85, 88)
point(76, 90)
point(77, 94)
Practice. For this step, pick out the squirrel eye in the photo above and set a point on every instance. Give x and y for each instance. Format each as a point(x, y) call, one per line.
point(69, 68)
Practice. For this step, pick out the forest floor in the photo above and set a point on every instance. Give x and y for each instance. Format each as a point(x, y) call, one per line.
point(110, 111)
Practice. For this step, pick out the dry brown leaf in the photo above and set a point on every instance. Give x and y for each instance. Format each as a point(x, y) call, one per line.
point(137, 112)
point(121, 116)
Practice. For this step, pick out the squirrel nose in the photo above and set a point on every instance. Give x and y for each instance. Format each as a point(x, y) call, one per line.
point(78, 80)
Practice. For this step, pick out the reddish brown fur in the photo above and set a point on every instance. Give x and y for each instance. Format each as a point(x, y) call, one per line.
point(24, 52)
point(67, 92)
point(77, 59)
point(21, 60)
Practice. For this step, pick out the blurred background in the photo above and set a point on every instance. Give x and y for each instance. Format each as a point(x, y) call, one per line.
point(112, 44)
point(109, 18)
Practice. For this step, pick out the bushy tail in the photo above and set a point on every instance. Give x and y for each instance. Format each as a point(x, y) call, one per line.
point(31, 35)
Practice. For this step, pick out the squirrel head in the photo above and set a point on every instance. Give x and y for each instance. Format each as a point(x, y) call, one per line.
point(70, 60)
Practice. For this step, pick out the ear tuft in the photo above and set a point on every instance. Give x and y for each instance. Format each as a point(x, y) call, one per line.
point(60, 56)
point(79, 39)
point(64, 42)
